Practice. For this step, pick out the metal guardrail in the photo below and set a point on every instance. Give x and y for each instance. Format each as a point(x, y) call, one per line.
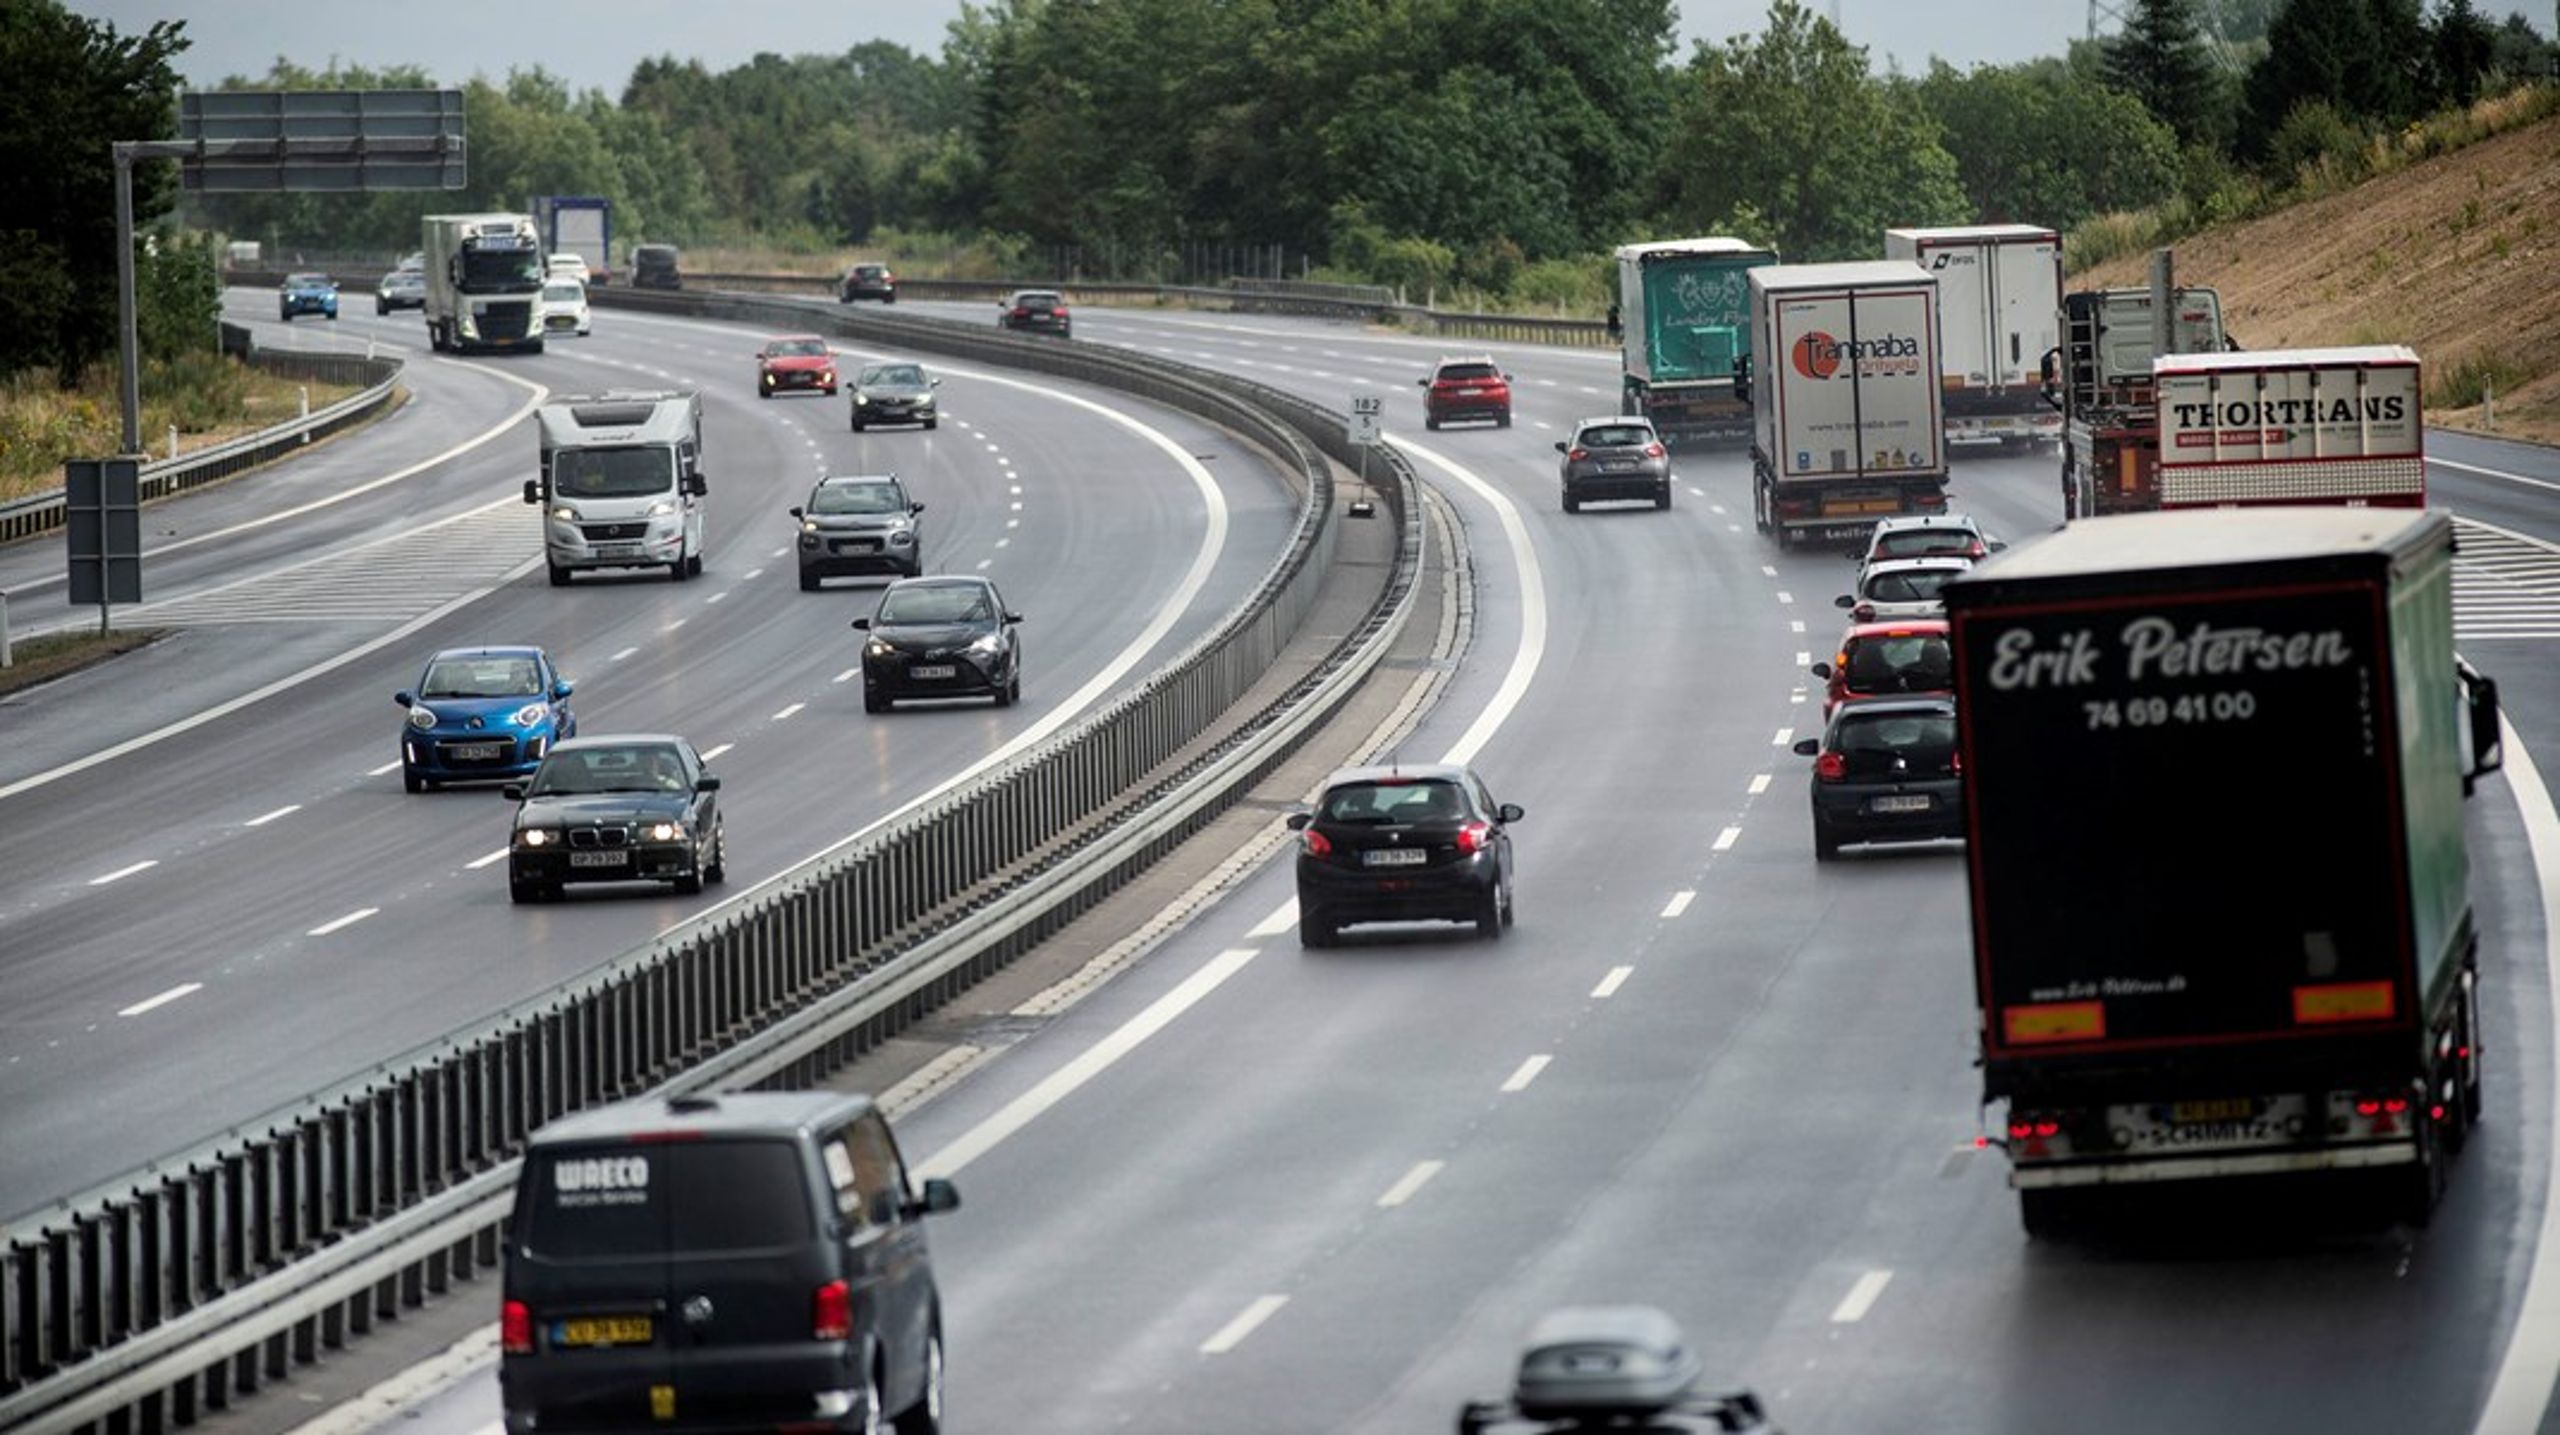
point(169, 1292)
point(379, 378)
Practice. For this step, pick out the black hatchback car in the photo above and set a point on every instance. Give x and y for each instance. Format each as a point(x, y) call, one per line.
point(855, 524)
point(1034, 311)
point(1403, 844)
point(635, 807)
point(940, 638)
point(745, 1261)
point(655, 266)
point(1886, 770)
point(867, 281)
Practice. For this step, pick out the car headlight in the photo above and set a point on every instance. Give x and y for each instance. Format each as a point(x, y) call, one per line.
point(902, 537)
point(878, 649)
point(662, 509)
point(826, 378)
point(422, 718)
point(808, 525)
point(665, 831)
point(988, 646)
point(535, 837)
point(565, 513)
point(861, 397)
point(529, 714)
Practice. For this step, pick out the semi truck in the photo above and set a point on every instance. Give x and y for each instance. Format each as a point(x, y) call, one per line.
point(2101, 384)
point(2291, 426)
point(580, 225)
point(2215, 765)
point(1684, 323)
point(484, 282)
point(1846, 421)
point(621, 484)
point(1999, 314)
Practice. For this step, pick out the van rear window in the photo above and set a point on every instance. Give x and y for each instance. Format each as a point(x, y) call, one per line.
point(690, 1198)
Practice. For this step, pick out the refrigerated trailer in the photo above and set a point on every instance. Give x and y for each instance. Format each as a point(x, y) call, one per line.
point(2215, 766)
point(1999, 314)
point(2292, 426)
point(1684, 325)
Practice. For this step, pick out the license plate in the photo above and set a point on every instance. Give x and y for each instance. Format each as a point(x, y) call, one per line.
point(858, 547)
point(617, 550)
point(2233, 1108)
point(1863, 505)
point(2219, 1124)
point(1618, 467)
point(603, 1330)
point(474, 751)
point(600, 859)
point(1394, 857)
point(933, 670)
point(1915, 803)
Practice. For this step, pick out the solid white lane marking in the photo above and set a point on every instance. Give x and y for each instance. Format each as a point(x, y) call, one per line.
point(787, 712)
point(1609, 984)
point(1528, 1071)
point(152, 1003)
point(1088, 1064)
point(1759, 783)
point(1679, 902)
point(1282, 918)
point(710, 753)
point(2531, 1366)
point(848, 675)
point(123, 872)
point(2434, 462)
point(342, 923)
point(1232, 1334)
point(1854, 1306)
point(618, 657)
point(263, 819)
point(476, 863)
point(1409, 1183)
point(1726, 839)
point(1532, 586)
point(1785, 735)
point(392, 766)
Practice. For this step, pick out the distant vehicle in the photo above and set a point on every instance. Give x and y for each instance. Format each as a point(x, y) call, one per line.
point(654, 266)
point(307, 294)
point(867, 281)
point(484, 282)
point(241, 254)
point(1465, 387)
point(632, 807)
point(1590, 1369)
point(795, 361)
point(1684, 320)
point(564, 307)
point(568, 266)
point(1999, 313)
point(1034, 311)
point(859, 524)
point(1907, 657)
point(400, 289)
point(1944, 535)
point(1610, 459)
point(580, 227)
point(1403, 844)
point(621, 484)
point(750, 1260)
point(940, 638)
point(1885, 770)
point(416, 259)
point(895, 393)
point(1891, 588)
point(480, 713)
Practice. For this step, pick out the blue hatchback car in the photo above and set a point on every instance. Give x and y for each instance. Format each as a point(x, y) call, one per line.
point(482, 713)
point(307, 294)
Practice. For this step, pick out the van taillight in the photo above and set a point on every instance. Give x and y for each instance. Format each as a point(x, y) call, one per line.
point(1831, 767)
point(831, 1312)
point(515, 1328)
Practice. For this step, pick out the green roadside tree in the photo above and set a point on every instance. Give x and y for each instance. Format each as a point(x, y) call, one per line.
point(2041, 144)
point(2163, 60)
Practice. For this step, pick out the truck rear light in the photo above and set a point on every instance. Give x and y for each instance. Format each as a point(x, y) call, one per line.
point(831, 1312)
point(2368, 1108)
point(1475, 836)
point(515, 1328)
point(1831, 767)
point(1315, 844)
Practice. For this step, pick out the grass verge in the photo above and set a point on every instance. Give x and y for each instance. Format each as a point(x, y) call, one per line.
point(210, 399)
point(54, 655)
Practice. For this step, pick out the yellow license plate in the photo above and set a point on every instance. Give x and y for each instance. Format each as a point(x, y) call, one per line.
point(605, 1330)
point(1863, 505)
point(2236, 1108)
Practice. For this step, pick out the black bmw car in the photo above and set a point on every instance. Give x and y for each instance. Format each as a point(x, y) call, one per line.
point(1403, 844)
point(940, 638)
point(637, 807)
point(1886, 770)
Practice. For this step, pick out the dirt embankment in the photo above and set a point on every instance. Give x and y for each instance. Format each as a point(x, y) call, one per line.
point(2457, 256)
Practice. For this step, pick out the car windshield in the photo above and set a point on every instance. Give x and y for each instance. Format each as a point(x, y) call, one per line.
point(1924, 543)
point(938, 603)
point(693, 1198)
point(1617, 436)
point(870, 271)
point(307, 281)
point(1030, 299)
point(1911, 585)
point(1468, 373)
point(1901, 663)
point(612, 472)
point(649, 767)
point(501, 269)
point(796, 348)
point(894, 375)
point(1395, 802)
point(482, 678)
point(858, 498)
point(564, 294)
point(1875, 742)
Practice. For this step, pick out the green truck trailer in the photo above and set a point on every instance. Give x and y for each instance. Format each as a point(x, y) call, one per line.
point(1684, 320)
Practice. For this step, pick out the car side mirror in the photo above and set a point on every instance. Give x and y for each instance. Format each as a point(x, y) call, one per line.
point(697, 484)
point(533, 490)
point(1298, 821)
point(915, 508)
point(1742, 377)
point(1422, 383)
point(512, 792)
point(1844, 601)
point(1808, 746)
point(403, 698)
point(1013, 617)
point(1509, 812)
point(1508, 379)
point(796, 513)
point(1996, 544)
point(2480, 700)
point(563, 688)
point(862, 623)
point(933, 383)
point(939, 1196)
point(1563, 447)
point(1821, 670)
point(708, 782)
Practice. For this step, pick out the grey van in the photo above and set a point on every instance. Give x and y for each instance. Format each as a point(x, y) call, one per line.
point(731, 1262)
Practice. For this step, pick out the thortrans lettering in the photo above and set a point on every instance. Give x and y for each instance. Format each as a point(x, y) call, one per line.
point(2278, 413)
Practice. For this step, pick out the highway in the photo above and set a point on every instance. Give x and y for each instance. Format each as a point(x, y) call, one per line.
point(242, 906)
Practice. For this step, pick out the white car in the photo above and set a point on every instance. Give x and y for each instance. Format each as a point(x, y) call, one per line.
point(564, 307)
point(1944, 535)
point(1893, 588)
point(570, 266)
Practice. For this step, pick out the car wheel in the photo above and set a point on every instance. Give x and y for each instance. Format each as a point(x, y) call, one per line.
point(1510, 907)
point(1826, 848)
point(808, 581)
point(690, 882)
point(1502, 420)
point(381, 309)
point(717, 870)
point(1489, 914)
point(1315, 929)
point(888, 298)
point(1431, 423)
point(693, 566)
point(284, 316)
point(925, 1416)
point(930, 424)
point(874, 1390)
point(831, 391)
point(676, 569)
point(1662, 496)
point(1571, 503)
point(857, 423)
point(523, 892)
point(875, 703)
point(559, 576)
point(412, 781)
point(764, 391)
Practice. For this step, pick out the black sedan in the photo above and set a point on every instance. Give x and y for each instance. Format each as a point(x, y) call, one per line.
point(858, 523)
point(1034, 311)
point(1403, 844)
point(896, 393)
point(631, 808)
point(940, 638)
point(1886, 770)
point(867, 281)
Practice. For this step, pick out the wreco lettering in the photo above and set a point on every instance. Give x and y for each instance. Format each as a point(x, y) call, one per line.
point(601, 1180)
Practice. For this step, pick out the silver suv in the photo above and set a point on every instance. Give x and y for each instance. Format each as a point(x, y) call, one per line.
point(1612, 459)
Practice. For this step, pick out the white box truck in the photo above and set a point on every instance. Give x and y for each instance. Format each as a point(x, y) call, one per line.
point(2292, 426)
point(621, 483)
point(484, 282)
point(1846, 421)
point(1999, 308)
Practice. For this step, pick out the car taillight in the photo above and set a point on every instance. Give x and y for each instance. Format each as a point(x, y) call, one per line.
point(1653, 450)
point(831, 1312)
point(1060, 311)
point(1315, 843)
point(1022, 313)
point(1955, 764)
point(1577, 455)
point(1831, 767)
point(515, 1328)
point(1475, 836)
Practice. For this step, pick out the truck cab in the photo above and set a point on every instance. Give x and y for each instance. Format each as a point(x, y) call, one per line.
point(484, 282)
point(2101, 379)
point(622, 483)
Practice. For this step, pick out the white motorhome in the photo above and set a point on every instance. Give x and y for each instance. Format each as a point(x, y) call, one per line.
point(622, 483)
point(1999, 307)
point(484, 282)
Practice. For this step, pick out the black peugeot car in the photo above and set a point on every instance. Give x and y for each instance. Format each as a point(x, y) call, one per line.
point(940, 638)
point(636, 807)
point(1403, 844)
point(855, 524)
point(1886, 770)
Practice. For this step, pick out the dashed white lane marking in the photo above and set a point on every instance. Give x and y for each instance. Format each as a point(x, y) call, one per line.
point(1768, 572)
point(1409, 1183)
point(1796, 697)
point(753, 574)
point(777, 553)
point(1016, 488)
point(154, 1003)
point(476, 863)
point(1794, 625)
point(716, 597)
point(1542, 423)
point(1282, 918)
point(388, 767)
point(1697, 492)
point(1733, 528)
point(671, 627)
point(1004, 543)
point(1785, 735)
point(1528, 1071)
point(1861, 1298)
point(263, 819)
point(710, 753)
point(1679, 902)
point(1232, 1334)
point(1804, 660)
point(1013, 523)
point(1785, 597)
point(1016, 507)
point(848, 675)
point(1609, 984)
point(123, 872)
point(1759, 783)
point(1716, 508)
point(618, 657)
point(1726, 839)
point(789, 711)
point(342, 923)
point(984, 563)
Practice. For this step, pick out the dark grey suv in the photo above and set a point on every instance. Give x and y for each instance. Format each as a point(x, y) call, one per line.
point(855, 524)
point(742, 1261)
point(1615, 458)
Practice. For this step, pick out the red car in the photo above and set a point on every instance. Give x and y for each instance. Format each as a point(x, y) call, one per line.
point(1467, 387)
point(795, 361)
point(1908, 657)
